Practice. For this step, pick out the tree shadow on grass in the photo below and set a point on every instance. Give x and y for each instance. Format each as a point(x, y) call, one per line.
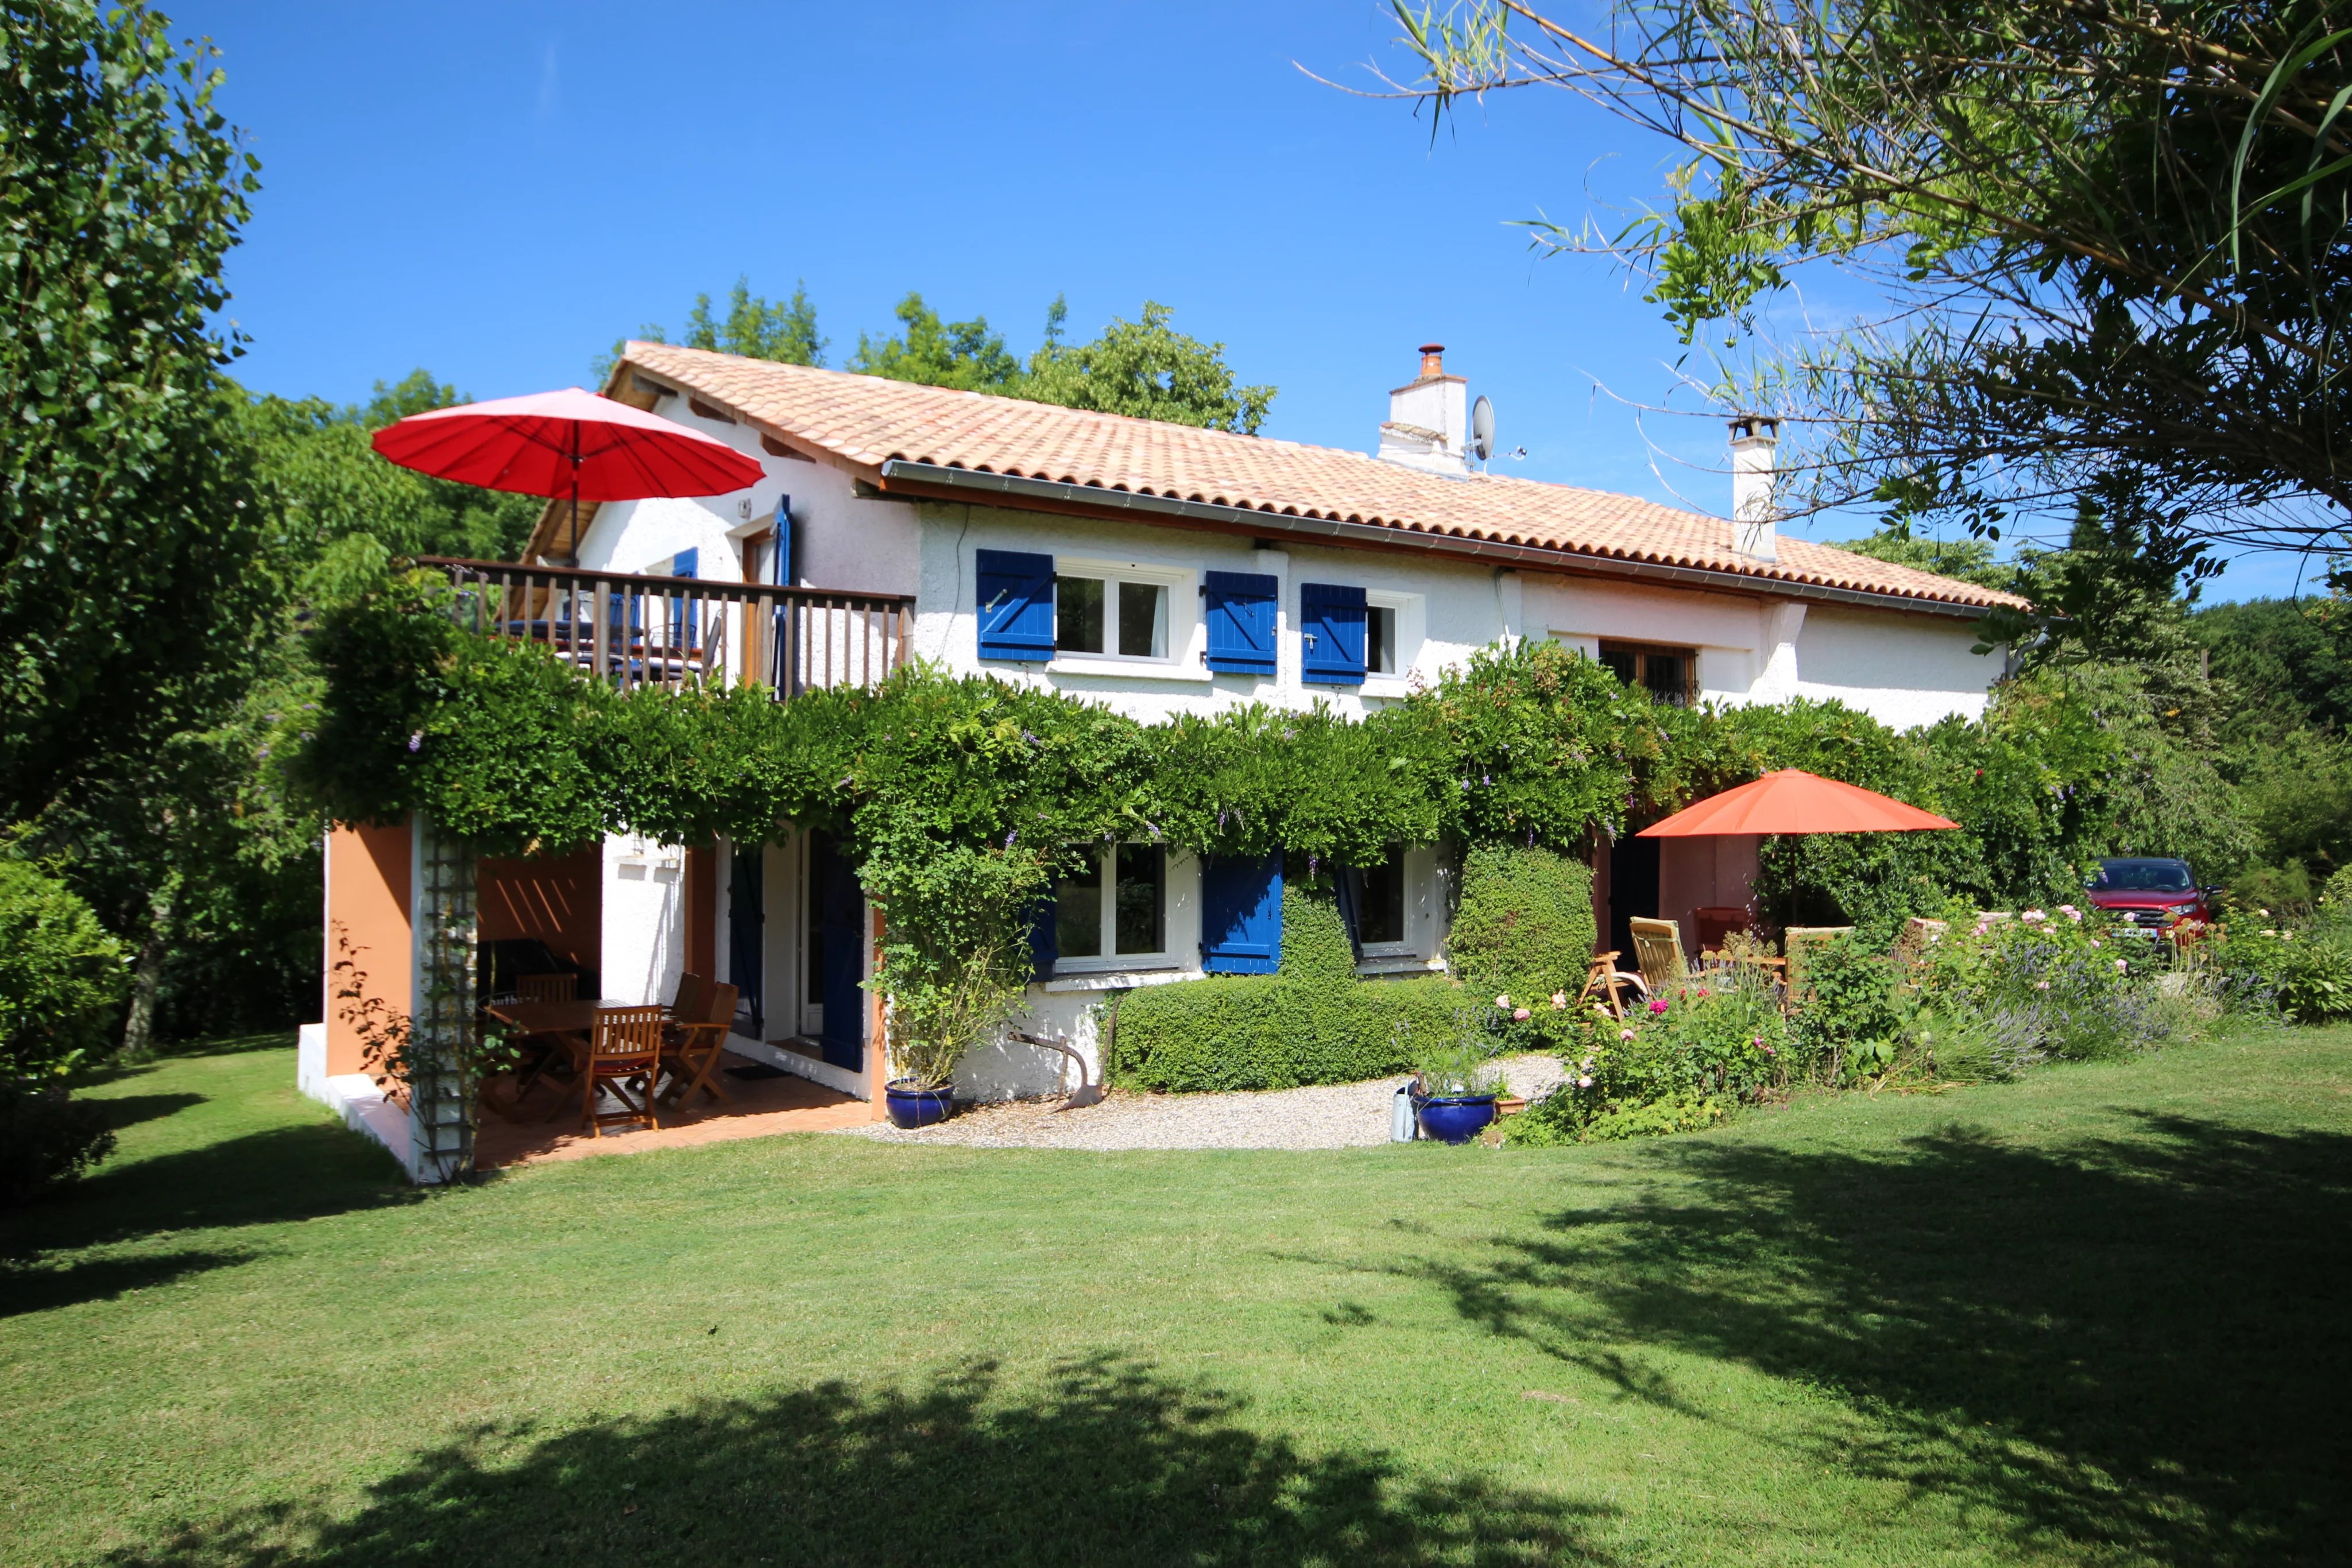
point(1110, 1464)
point(2136, 1343)
point(278, 1174)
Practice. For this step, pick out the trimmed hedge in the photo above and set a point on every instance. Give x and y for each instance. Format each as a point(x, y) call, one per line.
point(1525, 925)
point(1314, 1022)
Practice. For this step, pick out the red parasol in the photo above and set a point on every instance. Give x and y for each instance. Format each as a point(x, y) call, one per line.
point(1792, 801)
point(570, 443)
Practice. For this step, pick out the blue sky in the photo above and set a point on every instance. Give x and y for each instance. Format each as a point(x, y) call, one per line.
point(498, 191)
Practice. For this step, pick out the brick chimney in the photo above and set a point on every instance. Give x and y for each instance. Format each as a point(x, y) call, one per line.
point(1428, 425)
point(1754, 532)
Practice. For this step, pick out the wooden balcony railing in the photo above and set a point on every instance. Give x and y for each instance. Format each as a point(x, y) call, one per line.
point(682, 631)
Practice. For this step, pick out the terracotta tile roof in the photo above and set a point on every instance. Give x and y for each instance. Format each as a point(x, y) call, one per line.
point(865, 421)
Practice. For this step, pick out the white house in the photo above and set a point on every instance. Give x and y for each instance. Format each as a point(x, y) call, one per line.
point(1160, 569)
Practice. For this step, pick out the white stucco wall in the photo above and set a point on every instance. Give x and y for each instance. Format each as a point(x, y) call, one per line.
point(1445, 609)
point(1902, 670)
point(645, 920)
point(840, 541)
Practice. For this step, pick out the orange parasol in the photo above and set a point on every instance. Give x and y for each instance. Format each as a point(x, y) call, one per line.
point(1792, 801)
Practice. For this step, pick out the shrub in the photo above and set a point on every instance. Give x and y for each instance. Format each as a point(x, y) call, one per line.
point(61, 973)
point(1848, 1017)
point(2306, 975)
point(46, 1139)
point(1525, 925)
point(1314, 1022)
point(1679, 1063)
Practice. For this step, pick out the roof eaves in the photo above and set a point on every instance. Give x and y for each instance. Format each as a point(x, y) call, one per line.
point(904, 476)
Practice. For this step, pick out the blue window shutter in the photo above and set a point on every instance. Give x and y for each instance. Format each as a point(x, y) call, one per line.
point(1044, 940)
point(1241, 621)
point(687, 563)
point(1330, 634)
point(781, 568)
point(1240, 914)
point(1016, 605)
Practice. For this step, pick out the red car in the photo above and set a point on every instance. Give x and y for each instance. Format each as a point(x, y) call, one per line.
point(2151, 893)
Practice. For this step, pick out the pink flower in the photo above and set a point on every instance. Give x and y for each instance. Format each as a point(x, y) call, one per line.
point(1658, 1004)
point(2097, 942)
point(2033, 915)
point(2121, 965)
point(2071, 913)
point(1558, 1000)
point(1770, 1051)
point(1520, 1015)
point(1502, 1001)
point(1584, 1082)
point(2041, 985)
point(1624, 1034)
point(1702, 990)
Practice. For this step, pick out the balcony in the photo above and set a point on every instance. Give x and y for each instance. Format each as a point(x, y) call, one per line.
point(684, 633)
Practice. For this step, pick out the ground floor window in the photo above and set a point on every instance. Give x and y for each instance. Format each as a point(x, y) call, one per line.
point(1380, 902)
point(1670, 674)
point(1115, 907)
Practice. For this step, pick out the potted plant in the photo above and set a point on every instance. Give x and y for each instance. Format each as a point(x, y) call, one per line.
point(954, 967)
point(1456, 1092)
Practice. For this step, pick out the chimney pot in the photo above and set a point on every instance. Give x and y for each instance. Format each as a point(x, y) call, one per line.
point(1433, 361)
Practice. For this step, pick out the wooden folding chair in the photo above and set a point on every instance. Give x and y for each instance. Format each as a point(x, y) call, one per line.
point(1658, 954)
point(695, 1049)
point(625, 1056)
point(693, 991)
point(560, 987)
point(1603, 979)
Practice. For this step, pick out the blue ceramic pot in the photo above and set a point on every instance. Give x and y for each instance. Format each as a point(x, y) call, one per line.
point(1455, 1118)
point(916, 1107)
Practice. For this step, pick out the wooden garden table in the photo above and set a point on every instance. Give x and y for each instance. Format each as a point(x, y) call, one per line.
point(568, 1024)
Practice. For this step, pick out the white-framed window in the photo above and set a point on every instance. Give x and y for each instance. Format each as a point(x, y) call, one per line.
point(1108, 614)
point(1114, 913)
point(1393, 629)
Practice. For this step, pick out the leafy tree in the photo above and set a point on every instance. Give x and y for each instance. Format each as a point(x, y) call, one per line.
point(2290, 659)
point(1970, 560)
point(1146, 369)
point(757, 329)
point(332, 486)
point(130, 519)
point(2112, 237)
point(966, 355)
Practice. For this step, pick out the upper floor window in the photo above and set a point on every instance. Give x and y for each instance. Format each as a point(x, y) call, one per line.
point(1669, 675)
point(1120, 617)
point(1379, 640)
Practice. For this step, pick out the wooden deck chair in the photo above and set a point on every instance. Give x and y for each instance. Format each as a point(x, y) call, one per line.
point(625, 1056)
point(1658, 954)
point(1798, 942)
point(695, 1047)
point(1604, 979)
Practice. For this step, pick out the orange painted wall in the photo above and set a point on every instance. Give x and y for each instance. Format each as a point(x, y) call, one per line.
point(367, 925)
point(560, 899)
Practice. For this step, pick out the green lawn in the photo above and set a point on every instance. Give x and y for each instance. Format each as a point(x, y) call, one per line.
point(2097, 1316)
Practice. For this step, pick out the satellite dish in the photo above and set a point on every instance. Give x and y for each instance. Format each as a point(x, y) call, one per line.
point(1482, 429)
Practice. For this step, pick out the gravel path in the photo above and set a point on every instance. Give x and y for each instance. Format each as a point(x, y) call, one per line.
point(1328, 1116)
